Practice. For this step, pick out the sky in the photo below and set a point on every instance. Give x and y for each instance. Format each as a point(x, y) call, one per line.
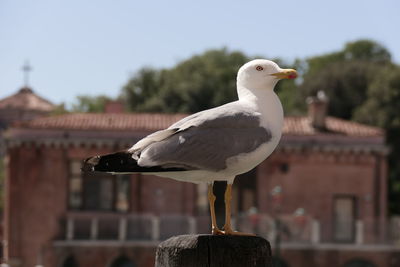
point(93, 47)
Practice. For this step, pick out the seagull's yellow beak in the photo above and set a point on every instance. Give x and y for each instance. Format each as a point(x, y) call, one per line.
point(286, 74)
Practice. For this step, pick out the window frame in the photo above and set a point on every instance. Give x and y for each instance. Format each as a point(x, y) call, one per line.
point(84, 190)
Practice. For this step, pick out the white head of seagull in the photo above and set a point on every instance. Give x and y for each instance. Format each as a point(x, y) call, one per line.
point(261, 74)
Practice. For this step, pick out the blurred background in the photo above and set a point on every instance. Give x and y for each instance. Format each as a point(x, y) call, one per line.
point(81, 78)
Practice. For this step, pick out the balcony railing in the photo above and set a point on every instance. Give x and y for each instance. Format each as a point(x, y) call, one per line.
point(87, 226)
point(305, 230)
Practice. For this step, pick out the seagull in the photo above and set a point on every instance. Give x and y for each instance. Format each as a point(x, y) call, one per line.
point(212, 145)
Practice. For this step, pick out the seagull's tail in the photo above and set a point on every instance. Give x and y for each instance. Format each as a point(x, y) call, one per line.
point(113, 163)
point(120, 162)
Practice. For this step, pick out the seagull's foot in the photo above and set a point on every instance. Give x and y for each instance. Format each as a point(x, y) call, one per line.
point(216, 231)
point(229, 231)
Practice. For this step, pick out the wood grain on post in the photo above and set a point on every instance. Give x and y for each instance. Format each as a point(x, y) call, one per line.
point(214, 251)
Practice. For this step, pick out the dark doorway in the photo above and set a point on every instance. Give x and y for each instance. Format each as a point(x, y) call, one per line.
point(122, 262)
point(70, 262)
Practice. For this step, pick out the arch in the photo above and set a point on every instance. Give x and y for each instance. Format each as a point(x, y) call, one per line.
point(122, 261)
point(358, 263)
point(70, 261)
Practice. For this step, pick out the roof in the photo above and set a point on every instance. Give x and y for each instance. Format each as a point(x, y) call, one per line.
point(156, 121)
point(302, 126)
point(26, 99)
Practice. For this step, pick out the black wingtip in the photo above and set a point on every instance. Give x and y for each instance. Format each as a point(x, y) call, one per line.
point(121, 162)
point(90, 163)
point(113, 163)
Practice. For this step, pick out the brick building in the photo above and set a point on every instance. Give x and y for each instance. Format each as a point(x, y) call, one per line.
point(326, 183)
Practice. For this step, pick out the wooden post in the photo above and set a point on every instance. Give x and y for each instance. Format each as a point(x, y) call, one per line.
point(214, 251)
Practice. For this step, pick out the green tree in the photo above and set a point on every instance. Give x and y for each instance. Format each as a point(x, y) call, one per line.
point(366, 50)
point(360, 50)
point(59, 110)
point(86, 103)
point(345, 83)
point(141, 91)
point(201, 82)
point(345, 75)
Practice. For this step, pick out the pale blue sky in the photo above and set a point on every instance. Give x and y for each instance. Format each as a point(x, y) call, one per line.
point(93, 46)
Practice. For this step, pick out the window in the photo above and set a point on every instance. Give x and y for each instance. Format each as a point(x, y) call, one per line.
point(122, 192)
point(75, 185)
point(97, 191)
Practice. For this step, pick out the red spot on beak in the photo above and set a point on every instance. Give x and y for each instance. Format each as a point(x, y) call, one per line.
point(292, 76)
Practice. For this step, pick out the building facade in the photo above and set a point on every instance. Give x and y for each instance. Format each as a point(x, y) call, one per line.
point(24, 105)
point(320, 198)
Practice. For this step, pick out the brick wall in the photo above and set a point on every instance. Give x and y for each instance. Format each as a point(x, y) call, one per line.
point(36, 200)
point(312, 180)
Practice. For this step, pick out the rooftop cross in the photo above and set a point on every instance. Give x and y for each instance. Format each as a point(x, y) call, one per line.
point(26, 68)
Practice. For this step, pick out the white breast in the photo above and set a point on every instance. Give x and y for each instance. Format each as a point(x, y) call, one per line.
point(270, 108)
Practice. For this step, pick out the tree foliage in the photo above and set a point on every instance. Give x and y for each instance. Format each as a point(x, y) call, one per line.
point(345, 75)
point(59, 110)
point(361, 50)
point(86, 103)
point(201, 82)
point(382, 107)
point(345, 84)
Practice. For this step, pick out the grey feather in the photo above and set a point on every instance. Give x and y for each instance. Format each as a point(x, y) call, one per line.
point(206, 140)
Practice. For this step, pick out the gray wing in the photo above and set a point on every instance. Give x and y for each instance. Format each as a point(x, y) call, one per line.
point(206, 140)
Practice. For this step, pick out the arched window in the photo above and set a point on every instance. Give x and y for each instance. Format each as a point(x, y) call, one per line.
point(122, 261)
point(359, 263)
point(70, 262)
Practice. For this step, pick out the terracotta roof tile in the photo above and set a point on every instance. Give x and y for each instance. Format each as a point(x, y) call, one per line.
point(302, 126)
point(105, 121)
point(26, 99)
point(155, 121)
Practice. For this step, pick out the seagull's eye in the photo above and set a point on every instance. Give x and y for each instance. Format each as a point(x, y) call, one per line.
point(259, 68)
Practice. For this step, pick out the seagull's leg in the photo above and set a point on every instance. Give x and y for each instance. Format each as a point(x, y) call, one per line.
point(228, 227)
point(211, 200)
